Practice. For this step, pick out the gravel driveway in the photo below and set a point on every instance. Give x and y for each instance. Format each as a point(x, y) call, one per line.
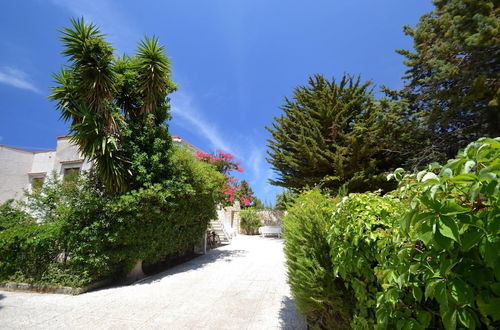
point(239, 286)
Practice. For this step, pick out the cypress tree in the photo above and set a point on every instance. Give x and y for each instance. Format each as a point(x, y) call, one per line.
point(335, 134)
point(327, 135)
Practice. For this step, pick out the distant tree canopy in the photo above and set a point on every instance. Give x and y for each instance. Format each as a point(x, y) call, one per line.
point(283, 199)
point(338, 135)
point(452, 82)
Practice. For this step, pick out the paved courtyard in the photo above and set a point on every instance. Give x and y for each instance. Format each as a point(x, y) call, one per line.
point(239, 286)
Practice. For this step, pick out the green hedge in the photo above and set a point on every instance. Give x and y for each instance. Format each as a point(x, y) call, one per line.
point(319, 295)
point(425, 256)
point(250, 221)
point(87, 235)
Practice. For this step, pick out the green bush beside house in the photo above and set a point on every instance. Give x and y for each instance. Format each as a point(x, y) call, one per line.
point(87, 235)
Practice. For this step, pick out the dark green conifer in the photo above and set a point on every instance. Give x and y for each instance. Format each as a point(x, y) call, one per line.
point(336, 134)
point(452, 82)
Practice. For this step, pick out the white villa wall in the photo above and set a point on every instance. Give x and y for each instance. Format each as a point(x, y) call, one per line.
point(14, 166)
point(43, 162)
point(68, 155)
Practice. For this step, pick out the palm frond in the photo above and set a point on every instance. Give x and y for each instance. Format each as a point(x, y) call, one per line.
point(96, 143)
point(66, 94)
point(154, 74)
point(92, 59)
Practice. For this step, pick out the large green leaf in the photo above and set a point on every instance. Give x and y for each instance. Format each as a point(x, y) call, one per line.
point(466, 318)
point(451, 207)
point(423, 231)
point(460, 292)
point(464, 178)
point(449, 318)
point(470, 238)
point(448, 228)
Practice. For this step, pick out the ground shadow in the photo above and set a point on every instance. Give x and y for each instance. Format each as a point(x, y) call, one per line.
point(196, 263)
point(290, 318)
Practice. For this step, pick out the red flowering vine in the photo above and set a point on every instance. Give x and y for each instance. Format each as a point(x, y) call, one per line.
point(234, 189)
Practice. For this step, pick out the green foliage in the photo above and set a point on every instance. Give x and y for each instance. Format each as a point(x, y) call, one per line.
point(12, 216)
point(336, 134)
point(365, 246)
point(258, 204)
point(426, 256)
point(318, 293)
point(453, 223)
point(28, 249)
point(250, 221)
point(148, 146)
point(284, 199)
point(160, 220)
point(452, 77)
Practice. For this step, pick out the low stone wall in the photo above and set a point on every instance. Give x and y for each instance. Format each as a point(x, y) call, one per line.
point(26, 287)
point(271, 217)
point(231, 217)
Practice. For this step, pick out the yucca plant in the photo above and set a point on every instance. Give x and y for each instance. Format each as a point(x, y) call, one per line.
point(101, 95)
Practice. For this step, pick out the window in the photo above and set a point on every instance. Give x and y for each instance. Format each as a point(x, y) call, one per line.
point(71, 173)
point(36, 184)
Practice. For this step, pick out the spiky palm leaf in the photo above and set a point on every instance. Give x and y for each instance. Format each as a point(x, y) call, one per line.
point(92, 59)
point(90, 134)
point(154, 75)
point(66, 94)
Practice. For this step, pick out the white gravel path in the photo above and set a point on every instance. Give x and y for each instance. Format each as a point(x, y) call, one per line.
point(239, 286)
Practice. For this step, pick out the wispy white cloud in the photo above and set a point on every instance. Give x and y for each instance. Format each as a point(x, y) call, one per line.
point(119, 30)
point(184, 109)
point(17, 78)
point(255, 162)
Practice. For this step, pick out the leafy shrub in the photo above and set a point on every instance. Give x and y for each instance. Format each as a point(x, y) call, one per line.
point(364, 242)
point(318, 293)
point(425, 256)
point(453, 224)
point(11, 216)
point(250, 221)
point(163, 219)
point(28, 249)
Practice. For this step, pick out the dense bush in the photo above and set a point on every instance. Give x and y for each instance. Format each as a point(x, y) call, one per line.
point(319, 295)
point(28, 249)
point(425, 256)
point(453, 224)
point(86, 234)
point(167, 218)
point(11, 216)
point(363, 238)
point(250, 221)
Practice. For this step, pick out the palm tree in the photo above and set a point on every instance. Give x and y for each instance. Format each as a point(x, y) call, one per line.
point(100, 94)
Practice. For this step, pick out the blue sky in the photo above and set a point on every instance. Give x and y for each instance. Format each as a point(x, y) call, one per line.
point(234, 61)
